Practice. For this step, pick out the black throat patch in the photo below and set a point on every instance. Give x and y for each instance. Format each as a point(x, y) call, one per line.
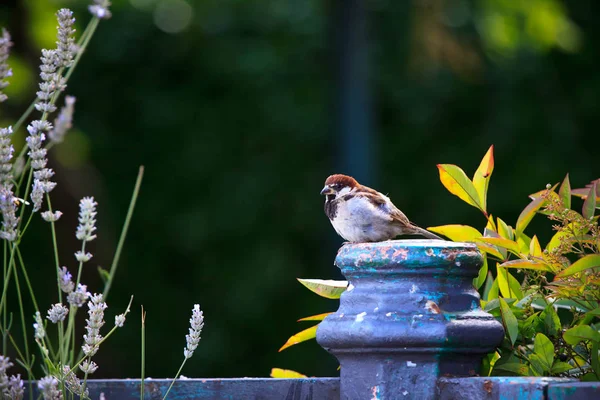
point(330, 206)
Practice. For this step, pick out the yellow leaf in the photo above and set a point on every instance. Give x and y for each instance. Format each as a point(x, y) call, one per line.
point(329, 289)
point(535, 249)
point(457, 233)
point(508, 285)
point(318, 317)
point(509, 245)
point(491, 250)
point(490, 223)
point(481, 179)
point(457, 183)
point(285, 373)
point(504, 230)
point(587, 262)
point(300, 337)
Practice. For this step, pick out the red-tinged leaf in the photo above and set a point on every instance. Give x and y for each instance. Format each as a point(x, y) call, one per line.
point(509, 245)
point(565, 192)
point(535, 249)
point(587, 262)
point(583, 192)
point(286, 374)
point(510, 321)
point(526, 264)
point(318, 317)
point(580, 333)
point(300, 337)
point(481, 179)
point(539, 194)
point(326, 288)
point(456, 181)
point(589, 205)
point(504, 230)
point(457, 233)
point(528, 213)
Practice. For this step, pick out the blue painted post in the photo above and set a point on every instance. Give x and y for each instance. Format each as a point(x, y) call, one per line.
point(410, 315)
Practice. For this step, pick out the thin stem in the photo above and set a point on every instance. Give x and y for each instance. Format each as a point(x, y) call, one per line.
point(26, 276)
point(22, 311)
point(55, 248)
point(143, 353)
point(115, 262)
point(174, 379)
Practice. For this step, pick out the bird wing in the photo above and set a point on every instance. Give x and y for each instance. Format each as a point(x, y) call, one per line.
point(381, 202)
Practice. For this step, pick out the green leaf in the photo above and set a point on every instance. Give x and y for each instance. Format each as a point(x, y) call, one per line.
point(489, 282)
point(481, 277)
point(104, 275)
point(537, 365)
point(456, 181)
point(528, 213)
point(565, 192)
point(559, 367)
point(300, 337)
point(285, 373)
point(544, 349)
point(526, 264)
point(524, 243)
point(551, 321)
point(325, 288)
point(514, 367)
point(510, 245)
point(504, 230)
point(595, 359)
point(587, 262)
point(493, 292)
point(594, 312)
point(510, 321)
point(508, 285)
point(318, 317)
point(580, 333)
point(589, 204)
point(482, 176)
point(457, 233)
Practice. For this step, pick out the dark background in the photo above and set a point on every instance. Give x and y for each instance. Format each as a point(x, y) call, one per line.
point(240, 109)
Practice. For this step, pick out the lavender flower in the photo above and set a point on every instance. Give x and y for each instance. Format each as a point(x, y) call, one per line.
point(6, 154)
point(51, 81)
point(87, 221)
point(15, 389)
point(73, 383)
point(100, 9)
point(83, 257)
point(4, 365)
point(65, 280)
point(79, 296)
point(63, 122)
point(38, 326)
point(95, 321)
point(5, 72)
point(10, 220)
point(119, 320)
point(49, 216)
point(57, 313)
point(196, 325)
point(66, 42)
point(88, 367)
point(48, 385)
point(42, 175)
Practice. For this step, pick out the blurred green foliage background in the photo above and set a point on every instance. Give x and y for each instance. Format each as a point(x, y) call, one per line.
point(233, 108)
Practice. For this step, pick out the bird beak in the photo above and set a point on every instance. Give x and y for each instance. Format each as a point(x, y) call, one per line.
point(327, 190)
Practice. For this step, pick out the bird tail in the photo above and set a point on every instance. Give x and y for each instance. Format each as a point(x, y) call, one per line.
point(426, 233)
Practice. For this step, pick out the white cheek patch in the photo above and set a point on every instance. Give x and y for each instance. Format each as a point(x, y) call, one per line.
point(343, 192)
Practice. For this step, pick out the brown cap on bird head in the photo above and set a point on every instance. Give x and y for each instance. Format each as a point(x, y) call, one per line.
point(338, 181)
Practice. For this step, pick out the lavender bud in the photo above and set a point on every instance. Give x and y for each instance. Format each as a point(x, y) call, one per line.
point(51, 216)
point(87, 221)
point(63, 122)
point(196, 325)
point(79, 296)
point(83, 257)
point(5, 71)
point(57, 313)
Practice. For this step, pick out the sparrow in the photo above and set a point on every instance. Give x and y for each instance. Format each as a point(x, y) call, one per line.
point(361, 214)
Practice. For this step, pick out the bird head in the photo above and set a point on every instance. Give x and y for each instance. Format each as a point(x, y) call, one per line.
point(338, 185)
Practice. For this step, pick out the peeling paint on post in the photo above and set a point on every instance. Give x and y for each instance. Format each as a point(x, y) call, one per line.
point(412, 316)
